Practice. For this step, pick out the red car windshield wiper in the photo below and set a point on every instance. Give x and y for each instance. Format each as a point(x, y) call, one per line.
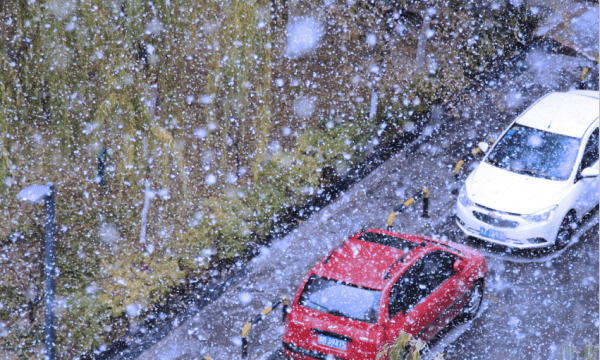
point(328, 310)
point(319, 305)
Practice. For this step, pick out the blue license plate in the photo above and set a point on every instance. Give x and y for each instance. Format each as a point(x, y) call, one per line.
point(332, 342)
point(492, 234)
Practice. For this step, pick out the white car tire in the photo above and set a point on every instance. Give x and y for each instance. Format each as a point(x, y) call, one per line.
point(565, 231)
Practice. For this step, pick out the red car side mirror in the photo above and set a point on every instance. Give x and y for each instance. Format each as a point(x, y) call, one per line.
point(459, 265)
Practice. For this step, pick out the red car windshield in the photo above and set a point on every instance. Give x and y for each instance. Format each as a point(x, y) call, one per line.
point(340, 299)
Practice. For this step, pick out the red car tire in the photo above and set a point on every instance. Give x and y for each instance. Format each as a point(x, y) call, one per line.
point(473, 304)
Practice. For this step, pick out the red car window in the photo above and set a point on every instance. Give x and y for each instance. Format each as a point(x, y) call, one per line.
point(420, 280)
point(387, 240)
point(340, 299)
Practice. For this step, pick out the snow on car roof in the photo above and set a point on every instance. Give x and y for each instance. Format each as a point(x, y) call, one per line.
point(363, 261)
point(360, 263)
point(567, 114)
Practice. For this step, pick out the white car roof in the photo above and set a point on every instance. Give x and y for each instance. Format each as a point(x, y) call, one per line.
point(569, 113)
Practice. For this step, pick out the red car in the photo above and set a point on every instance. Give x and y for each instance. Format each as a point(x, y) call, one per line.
point(376, 284)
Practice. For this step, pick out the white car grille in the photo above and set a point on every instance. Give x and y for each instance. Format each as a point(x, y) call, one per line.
point(495, 221)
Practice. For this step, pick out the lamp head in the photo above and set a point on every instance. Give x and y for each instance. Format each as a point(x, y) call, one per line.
point(35, 193)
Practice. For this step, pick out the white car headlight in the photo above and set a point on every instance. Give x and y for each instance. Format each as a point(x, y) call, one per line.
point(463, 197)
point(542, 215)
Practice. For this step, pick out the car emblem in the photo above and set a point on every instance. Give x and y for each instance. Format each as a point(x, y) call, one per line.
point(333, 327)
point(493, 214)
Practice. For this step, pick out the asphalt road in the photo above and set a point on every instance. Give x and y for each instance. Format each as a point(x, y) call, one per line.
point(536, 304)
point(533, 303)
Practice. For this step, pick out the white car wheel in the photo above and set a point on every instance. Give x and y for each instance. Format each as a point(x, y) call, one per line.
point(565, 231)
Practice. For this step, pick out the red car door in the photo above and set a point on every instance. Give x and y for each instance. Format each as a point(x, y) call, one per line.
point(448, 292)
point(421, 300)
point(404, 310)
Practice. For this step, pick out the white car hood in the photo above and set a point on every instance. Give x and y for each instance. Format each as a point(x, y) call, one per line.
point(507, 191)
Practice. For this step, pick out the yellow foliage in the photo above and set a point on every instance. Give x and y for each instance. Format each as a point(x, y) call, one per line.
point(137, 280)
point(404, 347)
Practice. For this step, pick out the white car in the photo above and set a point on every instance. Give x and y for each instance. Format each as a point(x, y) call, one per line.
point(534, 186)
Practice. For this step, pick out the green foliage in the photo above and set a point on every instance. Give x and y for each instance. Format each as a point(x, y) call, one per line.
point(405, 347)
point(487, 35)
point(11, 303)
point(590, 351)
point(77, 77)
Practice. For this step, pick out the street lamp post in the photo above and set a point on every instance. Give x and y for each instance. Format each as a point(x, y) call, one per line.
point(35, 194)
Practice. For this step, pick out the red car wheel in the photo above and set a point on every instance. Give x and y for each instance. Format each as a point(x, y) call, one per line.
point(474, 302)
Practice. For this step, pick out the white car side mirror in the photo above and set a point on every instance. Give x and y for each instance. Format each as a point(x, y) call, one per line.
point(589, 172)
point(484, 146)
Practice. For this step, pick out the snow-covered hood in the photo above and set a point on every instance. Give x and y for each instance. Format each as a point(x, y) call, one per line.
point(507, 191)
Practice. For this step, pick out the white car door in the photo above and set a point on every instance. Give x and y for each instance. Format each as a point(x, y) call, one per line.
point(588, 197)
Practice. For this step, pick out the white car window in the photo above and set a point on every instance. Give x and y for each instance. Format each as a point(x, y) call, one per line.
point(590, 155)
point(536, 153)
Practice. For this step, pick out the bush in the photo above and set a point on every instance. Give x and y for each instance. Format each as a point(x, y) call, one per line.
point(405, 347)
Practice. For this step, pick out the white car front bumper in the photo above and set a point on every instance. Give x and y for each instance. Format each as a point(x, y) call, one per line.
point(506, 229)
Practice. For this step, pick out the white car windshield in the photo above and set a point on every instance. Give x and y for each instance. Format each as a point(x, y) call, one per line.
point(536, 153)
point(340, 299)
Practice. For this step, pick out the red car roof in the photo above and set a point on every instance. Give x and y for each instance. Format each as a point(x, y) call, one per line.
point(365, 263)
